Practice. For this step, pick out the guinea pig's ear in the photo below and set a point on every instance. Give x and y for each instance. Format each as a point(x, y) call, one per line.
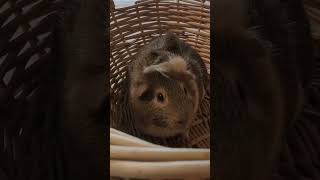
point(137, 89)
point(187, 75)
point(158, 56)
point(141, 91)
point(154, 54)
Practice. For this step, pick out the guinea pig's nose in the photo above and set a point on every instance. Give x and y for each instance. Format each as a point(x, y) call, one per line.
point(181, 123)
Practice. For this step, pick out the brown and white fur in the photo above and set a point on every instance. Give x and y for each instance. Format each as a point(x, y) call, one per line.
point(165, 88)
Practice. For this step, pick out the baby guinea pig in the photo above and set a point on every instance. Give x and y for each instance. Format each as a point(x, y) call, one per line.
point(167, 82)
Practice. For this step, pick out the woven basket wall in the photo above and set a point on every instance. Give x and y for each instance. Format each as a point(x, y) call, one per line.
point(312, 8)
point(27, 56)
point(134, 26)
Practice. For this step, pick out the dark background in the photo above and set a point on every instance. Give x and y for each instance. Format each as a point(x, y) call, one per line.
point(53, 57)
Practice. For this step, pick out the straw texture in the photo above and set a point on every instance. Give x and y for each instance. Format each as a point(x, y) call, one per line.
point(134, 26)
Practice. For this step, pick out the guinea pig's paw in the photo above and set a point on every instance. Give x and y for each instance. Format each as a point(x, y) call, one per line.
point(184, 139)
point(184, 142)
point(186, 135)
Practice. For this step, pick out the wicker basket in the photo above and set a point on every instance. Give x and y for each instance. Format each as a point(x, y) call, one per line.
point(42, 43)
point(134, 26)
point(27, 58)
point(131, 28)
point(312, 9)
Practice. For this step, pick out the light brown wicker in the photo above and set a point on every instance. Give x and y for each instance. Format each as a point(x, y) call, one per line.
point(134, 26)
point(131, 28)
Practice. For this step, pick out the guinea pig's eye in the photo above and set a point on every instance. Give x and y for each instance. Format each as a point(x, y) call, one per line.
point(183, 87)
point(185, 90)
point(160, 97)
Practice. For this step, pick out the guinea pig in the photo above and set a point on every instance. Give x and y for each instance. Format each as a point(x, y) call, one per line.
point(167, 82)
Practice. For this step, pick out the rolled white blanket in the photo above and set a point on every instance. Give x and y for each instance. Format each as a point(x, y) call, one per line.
point(131, 157)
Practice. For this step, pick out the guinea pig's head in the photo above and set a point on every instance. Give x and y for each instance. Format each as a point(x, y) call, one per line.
point(165, 99)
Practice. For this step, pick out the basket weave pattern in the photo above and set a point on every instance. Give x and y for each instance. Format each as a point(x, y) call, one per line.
point(27, 53)
point(134, 26)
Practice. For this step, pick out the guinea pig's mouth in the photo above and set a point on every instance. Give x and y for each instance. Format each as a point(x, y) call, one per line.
point(161, 127)
point(160, 122)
